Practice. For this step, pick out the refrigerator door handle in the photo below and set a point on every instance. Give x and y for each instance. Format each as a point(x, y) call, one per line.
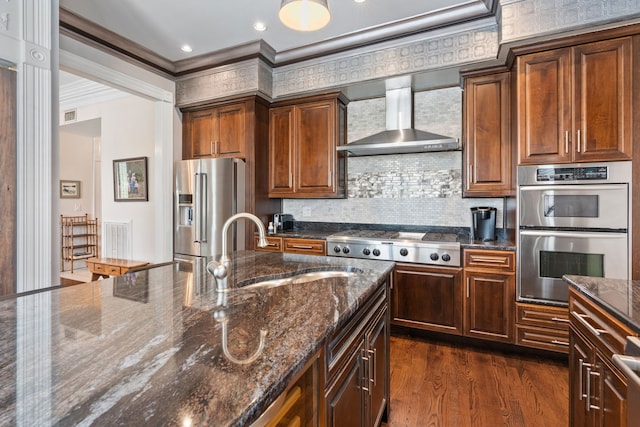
point(200, 207)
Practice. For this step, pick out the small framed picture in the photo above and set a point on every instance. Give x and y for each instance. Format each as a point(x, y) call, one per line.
point(130, 183)
point(69, 189)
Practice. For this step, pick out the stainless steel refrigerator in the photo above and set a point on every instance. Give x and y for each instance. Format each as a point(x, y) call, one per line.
point(207, 193)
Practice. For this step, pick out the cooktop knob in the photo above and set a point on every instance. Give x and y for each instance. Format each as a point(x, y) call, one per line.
point(366, 251)
point(336, 249)
point(404, 252)
point(376, 252)
point(434, 256)
point(446, 257)
point(346, 250)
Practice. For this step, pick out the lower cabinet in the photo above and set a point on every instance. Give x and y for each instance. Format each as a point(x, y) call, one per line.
point(357, 391)
point(427, 298)
point(543, 327)
point(597, 389)
point(479, 302)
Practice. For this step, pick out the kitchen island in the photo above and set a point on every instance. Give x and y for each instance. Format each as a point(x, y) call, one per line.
point(146, 348)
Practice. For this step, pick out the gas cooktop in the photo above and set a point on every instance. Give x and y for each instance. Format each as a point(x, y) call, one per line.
point(413, 247)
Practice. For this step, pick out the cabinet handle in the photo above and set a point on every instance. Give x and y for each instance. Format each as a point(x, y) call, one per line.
point(578, 140)
point(372, 357)
point(469, 173)
point(594, 331)
point(275, 245)
point(589, 374)
point(566, 142)
point(365, 377)
point(560, 319)
point(468, 287)
point(489, 260)
point(559, 342)
point(302, 247)
point(212, 149)
point(580, 366)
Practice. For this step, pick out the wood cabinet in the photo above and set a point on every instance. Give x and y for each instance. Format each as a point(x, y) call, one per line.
point(489, 158)
point(428, 298)
point(357, 363)
point(238, 128)
point(575, 103)
point(489, 302)
point(597, 390)
point(215, 132)
point(294, 245)
point(303, 136)
point(541, 326)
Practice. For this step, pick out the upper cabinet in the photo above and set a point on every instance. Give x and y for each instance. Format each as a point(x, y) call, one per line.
point(575, 103)
point(303, 136)
point(215, 132)
point(488, 152)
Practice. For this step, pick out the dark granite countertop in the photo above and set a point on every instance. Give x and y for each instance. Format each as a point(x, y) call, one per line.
point(145, 348)
point(319, 230)
point(620, 298)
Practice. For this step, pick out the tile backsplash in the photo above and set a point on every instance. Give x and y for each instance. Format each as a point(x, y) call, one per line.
point(412, 189)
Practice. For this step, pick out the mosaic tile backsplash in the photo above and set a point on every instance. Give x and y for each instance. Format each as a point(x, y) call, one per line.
point(412, 189)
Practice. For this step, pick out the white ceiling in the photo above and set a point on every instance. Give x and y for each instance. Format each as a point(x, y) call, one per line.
point(163, 26)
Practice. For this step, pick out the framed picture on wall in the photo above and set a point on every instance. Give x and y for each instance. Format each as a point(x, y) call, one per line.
point(69, 189)
point(130, 182)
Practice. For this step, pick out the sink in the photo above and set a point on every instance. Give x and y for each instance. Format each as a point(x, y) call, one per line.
point(303, 278)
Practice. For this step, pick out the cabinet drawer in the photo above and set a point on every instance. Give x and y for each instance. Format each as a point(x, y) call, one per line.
point(494, 260)
point(275, 244)
point(98, 268)
point(305, 246)
point(543, 316)
point(112, 270)
point(543, 338)
point(607, 333)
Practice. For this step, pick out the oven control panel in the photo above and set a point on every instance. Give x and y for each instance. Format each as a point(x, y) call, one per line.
point(572, 174)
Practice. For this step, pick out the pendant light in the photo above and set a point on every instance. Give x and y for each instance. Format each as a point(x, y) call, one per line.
point(304, 15)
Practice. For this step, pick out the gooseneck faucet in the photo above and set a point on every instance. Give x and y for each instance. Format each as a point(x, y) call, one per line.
point(220, 269)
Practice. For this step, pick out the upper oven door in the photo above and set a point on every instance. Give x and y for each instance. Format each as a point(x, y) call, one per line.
point(583, 206)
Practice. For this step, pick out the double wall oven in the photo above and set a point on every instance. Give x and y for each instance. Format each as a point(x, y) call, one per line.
point(573, 219)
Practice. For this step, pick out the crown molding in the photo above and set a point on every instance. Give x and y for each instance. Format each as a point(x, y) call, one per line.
point(79, 28)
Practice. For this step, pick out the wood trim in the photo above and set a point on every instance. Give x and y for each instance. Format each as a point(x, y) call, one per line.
point(8, 180)
point(635, 184)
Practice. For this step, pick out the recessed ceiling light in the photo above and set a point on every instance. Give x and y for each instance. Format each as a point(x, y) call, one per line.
point(186, 48)
point(359, 1)
point(259, 26)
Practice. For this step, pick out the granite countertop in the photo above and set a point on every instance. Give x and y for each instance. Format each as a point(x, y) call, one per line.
point(145, 348)
point(310, 230)
point(620, 298)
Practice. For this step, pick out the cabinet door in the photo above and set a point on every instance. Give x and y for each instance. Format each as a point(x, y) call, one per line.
point(344, 399)
point(315, 148)
point(613, 396)
point(602, 103)
point(427, 298)
point(201, 128)
point(544, 107)
point(580, 356)
point(231, 138)
point(487, 134)
point(489, 306)
point(377, 350)
point(281, 151)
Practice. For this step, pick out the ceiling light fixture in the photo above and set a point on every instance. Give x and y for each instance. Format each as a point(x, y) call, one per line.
point(260, 26)
point(186, 48)
point(304, 15)
point(359, 1)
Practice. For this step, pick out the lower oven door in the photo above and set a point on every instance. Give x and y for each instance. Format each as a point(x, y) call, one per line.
point(545, 256)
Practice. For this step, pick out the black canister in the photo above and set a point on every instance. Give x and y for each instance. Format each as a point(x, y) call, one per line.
point(483, 223)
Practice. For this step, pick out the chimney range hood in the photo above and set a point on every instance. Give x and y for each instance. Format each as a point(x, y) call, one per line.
point(400, 137)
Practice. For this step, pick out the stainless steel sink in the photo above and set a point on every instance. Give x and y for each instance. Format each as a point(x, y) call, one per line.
point(302, 278)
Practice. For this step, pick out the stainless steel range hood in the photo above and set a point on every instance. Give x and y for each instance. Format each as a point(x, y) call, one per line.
point(400, 137)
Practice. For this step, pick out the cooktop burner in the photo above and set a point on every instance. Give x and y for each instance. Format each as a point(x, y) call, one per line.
point(414, 247)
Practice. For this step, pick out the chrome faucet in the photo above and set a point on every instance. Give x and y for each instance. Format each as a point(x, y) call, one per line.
point(220, 269)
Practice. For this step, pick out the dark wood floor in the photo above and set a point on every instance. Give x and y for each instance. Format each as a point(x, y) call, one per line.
point(445, 385)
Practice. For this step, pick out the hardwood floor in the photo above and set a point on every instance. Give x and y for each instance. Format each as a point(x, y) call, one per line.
point(444, 385)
